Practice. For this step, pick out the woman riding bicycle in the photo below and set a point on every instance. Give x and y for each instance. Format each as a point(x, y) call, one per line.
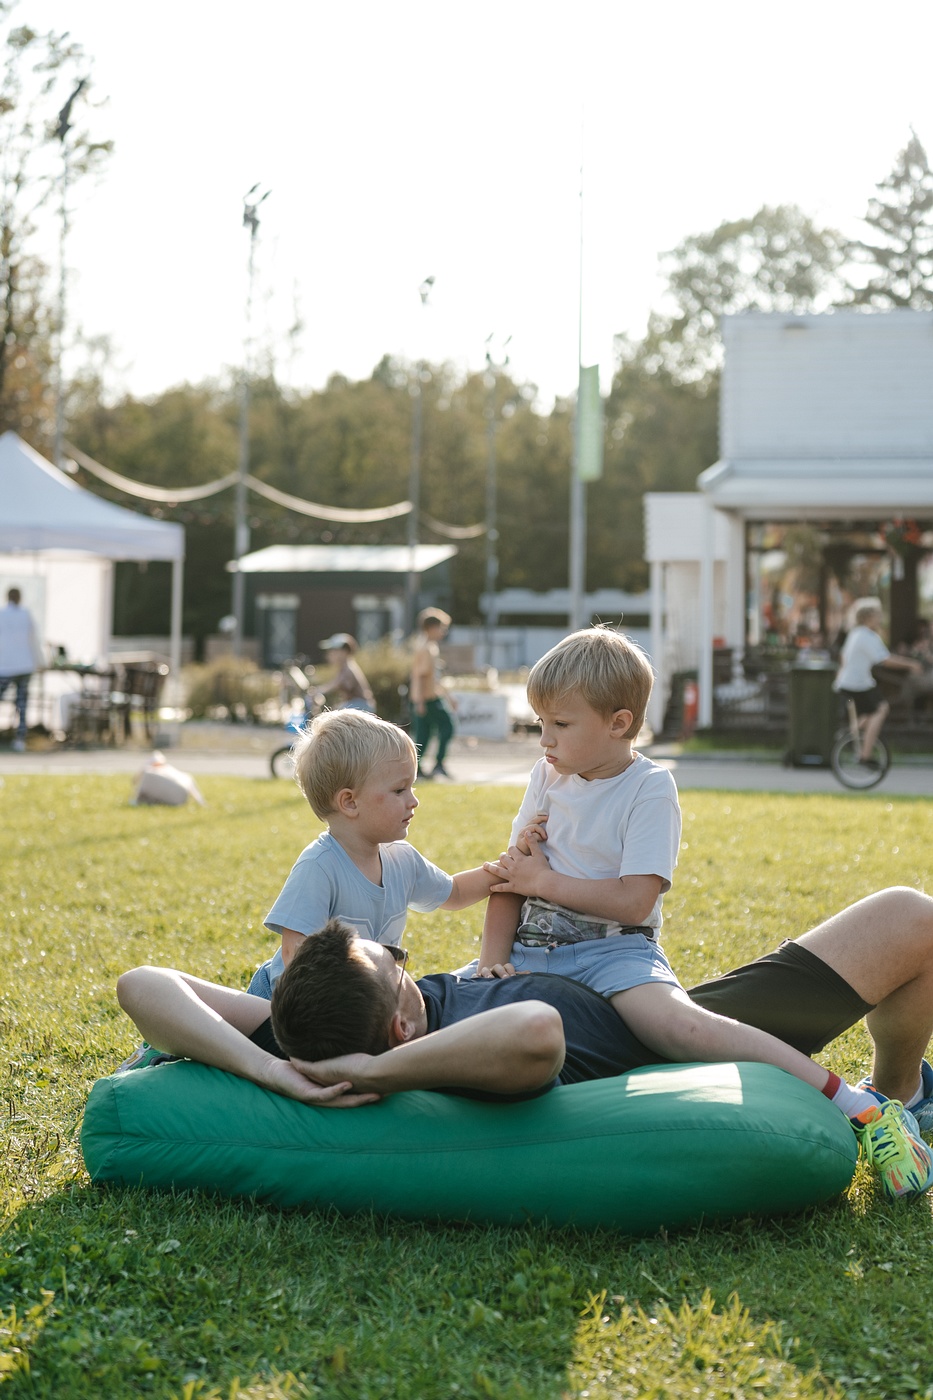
point(855, 680)
point(349, 685)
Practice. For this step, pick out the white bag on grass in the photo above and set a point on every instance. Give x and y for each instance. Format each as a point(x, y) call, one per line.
point(161, 784)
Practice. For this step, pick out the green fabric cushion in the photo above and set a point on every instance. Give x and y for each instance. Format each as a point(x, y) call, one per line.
point(662, 1146)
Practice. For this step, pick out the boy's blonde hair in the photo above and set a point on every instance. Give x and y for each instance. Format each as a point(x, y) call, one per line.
point(607, 670)
point(339, 749)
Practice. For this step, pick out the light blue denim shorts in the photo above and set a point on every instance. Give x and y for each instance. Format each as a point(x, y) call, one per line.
point(608, 965)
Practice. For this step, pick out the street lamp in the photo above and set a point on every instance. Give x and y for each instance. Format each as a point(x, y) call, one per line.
point(490, 380)
point(241, 524)
point(414, 478)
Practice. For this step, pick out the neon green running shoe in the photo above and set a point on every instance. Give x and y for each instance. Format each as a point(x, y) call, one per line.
point(142, 1057)
point(891, 1141)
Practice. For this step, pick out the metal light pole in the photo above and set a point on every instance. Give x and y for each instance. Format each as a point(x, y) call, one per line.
point(577, 572)
point(492, 531)
point(61, 131)
point(241, 524)
point(414, 480)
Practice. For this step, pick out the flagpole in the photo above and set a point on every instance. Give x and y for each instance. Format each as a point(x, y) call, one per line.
point(577, 579)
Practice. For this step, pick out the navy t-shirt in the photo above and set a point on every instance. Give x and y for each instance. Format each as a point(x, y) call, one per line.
point(599, 1043)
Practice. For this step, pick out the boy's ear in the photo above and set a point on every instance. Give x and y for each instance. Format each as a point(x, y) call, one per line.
point(621, 723)
point(345, 803)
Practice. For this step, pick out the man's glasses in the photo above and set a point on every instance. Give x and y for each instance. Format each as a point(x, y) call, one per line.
point(401, 957)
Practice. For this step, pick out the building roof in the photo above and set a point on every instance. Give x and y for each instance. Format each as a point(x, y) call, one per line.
point(835, 488)
point(343, 559)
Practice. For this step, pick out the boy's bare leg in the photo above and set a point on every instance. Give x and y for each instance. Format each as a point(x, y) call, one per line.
point(668, 1022)
point(883, 947)
point(873, 727)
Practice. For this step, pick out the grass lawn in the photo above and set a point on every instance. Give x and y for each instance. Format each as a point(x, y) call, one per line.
point(107, 1293)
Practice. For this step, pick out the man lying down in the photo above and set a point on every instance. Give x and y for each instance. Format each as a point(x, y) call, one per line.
point(349, 1026)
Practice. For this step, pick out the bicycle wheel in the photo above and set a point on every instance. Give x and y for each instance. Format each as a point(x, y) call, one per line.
point(847, 764)
point(282, 763)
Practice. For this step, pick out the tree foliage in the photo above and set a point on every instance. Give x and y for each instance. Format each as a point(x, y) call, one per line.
point(349, 444)
point(777, 260)
point(38, 73)
point(346, 445)
point(898, 249)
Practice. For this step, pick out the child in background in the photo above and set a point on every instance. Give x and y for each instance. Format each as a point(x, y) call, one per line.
point(593, 851)
point(429, 704)
point(855, 680)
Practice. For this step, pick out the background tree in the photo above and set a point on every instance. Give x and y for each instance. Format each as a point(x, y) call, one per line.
point(777, 260)
point(898, 248)
point(662, 411)
point(38, 73)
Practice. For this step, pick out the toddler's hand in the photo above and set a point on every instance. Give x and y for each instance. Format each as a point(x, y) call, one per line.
point(534, 831)
point(497, 970)
point(520, 872)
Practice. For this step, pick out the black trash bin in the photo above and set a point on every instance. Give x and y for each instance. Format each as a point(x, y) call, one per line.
point(813, 721)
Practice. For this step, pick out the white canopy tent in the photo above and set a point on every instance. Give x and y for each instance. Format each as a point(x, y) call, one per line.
point(65, 539)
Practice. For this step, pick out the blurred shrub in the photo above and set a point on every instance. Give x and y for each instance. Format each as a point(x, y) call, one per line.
point(229, 687)
point(387, 668)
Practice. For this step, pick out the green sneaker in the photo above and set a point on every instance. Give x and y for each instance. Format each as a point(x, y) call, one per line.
point(891, 1141)
point(142, 1057)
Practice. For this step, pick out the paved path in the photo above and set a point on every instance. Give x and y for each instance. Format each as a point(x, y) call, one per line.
point(244, 753)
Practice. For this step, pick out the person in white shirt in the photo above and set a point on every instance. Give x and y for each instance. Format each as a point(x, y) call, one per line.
point(855, 680)
point(19, 657)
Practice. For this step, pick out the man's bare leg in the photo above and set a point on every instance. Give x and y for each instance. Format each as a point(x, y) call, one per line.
point(883, 947)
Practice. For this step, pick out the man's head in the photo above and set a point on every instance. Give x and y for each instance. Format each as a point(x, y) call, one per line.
point(434, 622)
point(13, 595)
point(599, 666)
point(344, 995)
point(340, 749)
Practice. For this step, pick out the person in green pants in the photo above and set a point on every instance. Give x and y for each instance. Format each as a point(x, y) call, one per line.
point(429, 706)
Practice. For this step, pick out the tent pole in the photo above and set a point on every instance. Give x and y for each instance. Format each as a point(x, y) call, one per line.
point(175, 647)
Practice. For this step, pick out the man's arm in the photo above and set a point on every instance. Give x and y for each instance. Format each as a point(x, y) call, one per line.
point(510, 1050)
point(626, 900)
point(203, 1021)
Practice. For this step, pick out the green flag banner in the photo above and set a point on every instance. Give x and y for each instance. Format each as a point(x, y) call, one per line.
point(589, 425)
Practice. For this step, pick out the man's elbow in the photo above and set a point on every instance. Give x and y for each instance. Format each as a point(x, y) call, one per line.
point(542, 1045)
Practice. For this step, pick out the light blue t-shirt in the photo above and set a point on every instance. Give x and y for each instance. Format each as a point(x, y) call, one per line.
point(324, 883)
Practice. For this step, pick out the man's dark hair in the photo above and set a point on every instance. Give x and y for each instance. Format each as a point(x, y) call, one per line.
point(329, 1001)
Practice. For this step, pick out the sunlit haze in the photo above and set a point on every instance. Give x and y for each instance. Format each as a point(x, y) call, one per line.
point(412, 139)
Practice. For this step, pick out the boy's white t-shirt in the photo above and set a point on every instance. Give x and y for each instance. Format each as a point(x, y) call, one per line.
point(607, 827)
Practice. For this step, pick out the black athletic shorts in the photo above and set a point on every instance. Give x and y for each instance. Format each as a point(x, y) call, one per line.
point(790, 993)
point(866, 701)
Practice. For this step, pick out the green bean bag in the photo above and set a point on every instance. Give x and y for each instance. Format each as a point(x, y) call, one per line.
point(659, 1147)
point(663, 1146)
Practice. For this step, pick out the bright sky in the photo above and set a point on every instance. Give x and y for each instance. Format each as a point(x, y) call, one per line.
point(407, 139)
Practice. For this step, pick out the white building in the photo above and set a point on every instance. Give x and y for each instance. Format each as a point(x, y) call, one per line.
point(826, 422)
